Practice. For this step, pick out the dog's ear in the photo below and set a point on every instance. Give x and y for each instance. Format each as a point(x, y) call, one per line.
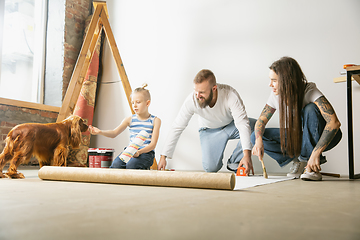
point(83, 126)
point(75, 138)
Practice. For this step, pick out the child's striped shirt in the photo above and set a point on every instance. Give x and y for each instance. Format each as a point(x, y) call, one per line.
point(137, 125)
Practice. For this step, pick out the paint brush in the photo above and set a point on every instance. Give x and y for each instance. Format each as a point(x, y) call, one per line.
point(263, 167)
point(330, 174)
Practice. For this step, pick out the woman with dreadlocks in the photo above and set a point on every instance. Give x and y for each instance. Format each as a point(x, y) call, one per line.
point(308, 123)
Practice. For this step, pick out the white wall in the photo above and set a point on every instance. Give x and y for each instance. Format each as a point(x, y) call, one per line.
point(165, 43)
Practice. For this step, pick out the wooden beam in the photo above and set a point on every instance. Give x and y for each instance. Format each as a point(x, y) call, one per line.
point(31, 105)
point(343, 79)
point(117, 58)
point(98, 22)
point(353, 68)
point(103, 3)
point(357, 78)
point(68, 105)
point(77, 88)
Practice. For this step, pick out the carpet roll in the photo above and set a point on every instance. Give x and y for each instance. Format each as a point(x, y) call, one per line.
point(223, 181)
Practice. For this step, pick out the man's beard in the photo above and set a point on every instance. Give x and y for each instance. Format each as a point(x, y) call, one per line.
point(207, 101)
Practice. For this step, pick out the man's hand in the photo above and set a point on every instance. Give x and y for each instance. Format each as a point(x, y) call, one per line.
point(162, 163)
point(247, 162)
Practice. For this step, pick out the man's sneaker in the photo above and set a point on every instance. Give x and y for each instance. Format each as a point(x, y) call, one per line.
point(311, 176)
point(297, 168)
point(232, 167)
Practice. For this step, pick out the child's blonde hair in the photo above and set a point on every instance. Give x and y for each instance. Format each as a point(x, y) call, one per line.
point(144, 91)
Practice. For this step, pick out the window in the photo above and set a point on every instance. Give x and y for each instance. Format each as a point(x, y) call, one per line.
point(22, 48)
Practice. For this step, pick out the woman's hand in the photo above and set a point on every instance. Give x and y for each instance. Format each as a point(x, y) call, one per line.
point(258, 149)
point(313, 164)
point(266, 114)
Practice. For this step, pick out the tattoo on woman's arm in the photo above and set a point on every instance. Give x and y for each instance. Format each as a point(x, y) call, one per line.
point(260, 124)
point(326, 108)
point(268, 111)
point(259, 128)
point(325, 139)
point(328, 113)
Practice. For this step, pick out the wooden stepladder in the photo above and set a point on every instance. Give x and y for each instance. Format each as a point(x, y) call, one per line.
point(99, 22)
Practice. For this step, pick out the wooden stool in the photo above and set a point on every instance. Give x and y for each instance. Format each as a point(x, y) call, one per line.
point(154, 166)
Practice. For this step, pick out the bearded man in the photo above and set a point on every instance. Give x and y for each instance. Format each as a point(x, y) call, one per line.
point(222, 117)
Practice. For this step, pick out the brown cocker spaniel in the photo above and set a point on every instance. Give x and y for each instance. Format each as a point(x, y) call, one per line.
point(47, 142)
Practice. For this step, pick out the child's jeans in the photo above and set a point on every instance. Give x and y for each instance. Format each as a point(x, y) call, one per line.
point(313, 126)
point(143, 161)
point(213, 142)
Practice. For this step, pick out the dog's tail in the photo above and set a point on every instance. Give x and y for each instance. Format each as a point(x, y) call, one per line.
point(10, 144)
point(8, 151)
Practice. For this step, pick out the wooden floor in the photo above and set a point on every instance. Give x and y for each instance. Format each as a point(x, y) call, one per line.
point(35, 209)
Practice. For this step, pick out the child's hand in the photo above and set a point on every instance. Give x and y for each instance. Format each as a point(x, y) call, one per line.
point(136, 154)
point(94, 130)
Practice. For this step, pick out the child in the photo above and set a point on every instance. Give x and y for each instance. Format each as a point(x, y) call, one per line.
point(141, 120)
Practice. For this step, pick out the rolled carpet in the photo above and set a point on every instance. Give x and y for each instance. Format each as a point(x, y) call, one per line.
point(223, 181)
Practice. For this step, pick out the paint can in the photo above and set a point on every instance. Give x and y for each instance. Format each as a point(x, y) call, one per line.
point(92, 153)
point(100, 157)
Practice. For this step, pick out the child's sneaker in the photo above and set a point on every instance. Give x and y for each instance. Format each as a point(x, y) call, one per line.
point(297, 168)
point(311, 176)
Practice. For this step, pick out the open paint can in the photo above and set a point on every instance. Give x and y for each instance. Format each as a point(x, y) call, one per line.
point(100, 157)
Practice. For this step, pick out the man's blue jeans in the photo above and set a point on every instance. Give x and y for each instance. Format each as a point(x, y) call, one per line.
point(213, 143)
point(313, 125)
